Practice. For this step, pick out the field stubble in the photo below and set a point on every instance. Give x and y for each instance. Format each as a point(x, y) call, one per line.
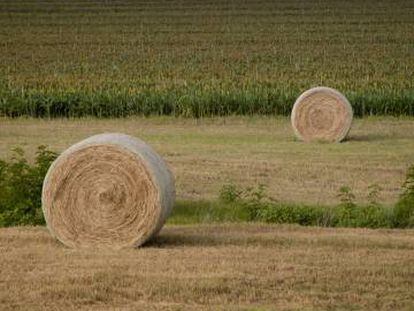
point(213, 267)
point(204, 154)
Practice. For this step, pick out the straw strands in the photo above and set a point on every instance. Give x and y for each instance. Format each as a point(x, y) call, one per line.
point(108, 191)
point(322, 114)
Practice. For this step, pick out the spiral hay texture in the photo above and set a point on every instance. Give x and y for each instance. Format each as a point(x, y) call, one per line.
point(107, 191)
point(321, 114)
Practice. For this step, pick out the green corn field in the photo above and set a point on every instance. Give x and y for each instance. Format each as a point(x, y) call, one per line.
point(198, 58)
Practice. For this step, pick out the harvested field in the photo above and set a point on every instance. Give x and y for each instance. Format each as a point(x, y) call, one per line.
point(204, 154)
point(213, 267)
point(210, 85)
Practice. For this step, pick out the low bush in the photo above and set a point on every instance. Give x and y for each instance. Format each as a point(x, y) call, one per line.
point(261, 207)
point(21, 187)
point(404, 209)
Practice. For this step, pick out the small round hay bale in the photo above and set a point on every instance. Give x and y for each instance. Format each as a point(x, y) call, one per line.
point(107, 191)
point(321, 114)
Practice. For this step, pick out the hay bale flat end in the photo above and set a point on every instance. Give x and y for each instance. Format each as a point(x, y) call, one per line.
point(107, 191)
point(321, 114)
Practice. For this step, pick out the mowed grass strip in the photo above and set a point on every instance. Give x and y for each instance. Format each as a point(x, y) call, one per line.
point(207, 153)
point(213, 267)
point(199, 58)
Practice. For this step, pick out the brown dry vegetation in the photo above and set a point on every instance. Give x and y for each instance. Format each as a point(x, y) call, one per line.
point(212, 267)
point(206, 153)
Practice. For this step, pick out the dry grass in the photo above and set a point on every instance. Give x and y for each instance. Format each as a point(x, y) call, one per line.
point(250, 267)
point(205, 154)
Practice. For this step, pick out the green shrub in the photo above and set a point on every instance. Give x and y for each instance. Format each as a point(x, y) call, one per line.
point(230, 193)
point(251, 199)
point(21, 188)
point(375, 216)
point(254, 199)
point(261, 207)
point(346, 212)
point(404, 209)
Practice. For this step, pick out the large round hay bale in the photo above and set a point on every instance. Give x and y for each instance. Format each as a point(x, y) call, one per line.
point(321, 114)
point(107, 191)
